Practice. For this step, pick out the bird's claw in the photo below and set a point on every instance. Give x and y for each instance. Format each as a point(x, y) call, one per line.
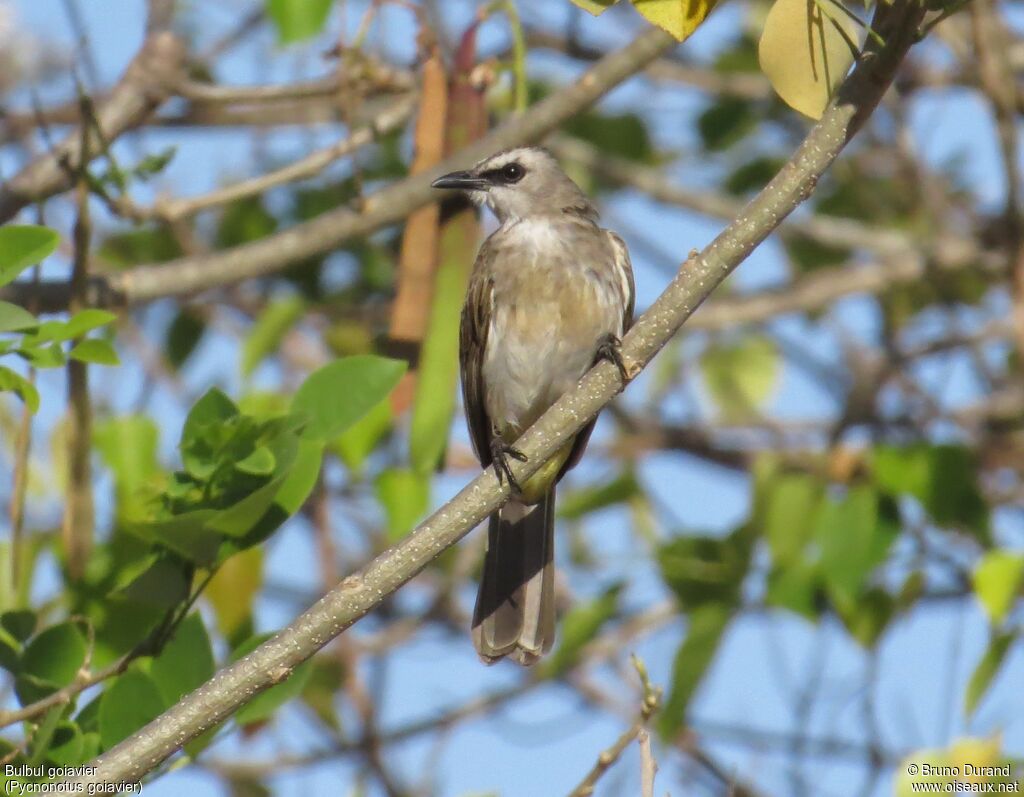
point(610, 348)
point(500, 452)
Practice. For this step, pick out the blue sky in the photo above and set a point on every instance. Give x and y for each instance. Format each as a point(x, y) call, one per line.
point(544, 744)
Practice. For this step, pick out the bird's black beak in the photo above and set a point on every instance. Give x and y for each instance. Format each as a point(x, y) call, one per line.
point(461, 181)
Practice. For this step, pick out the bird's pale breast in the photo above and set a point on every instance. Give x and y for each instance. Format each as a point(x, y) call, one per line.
point(556, 294)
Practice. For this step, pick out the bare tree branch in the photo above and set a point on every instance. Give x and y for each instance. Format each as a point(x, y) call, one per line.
point(360, 592)
point(648, 705)
point(146, 84)
point(388, 206)
point(171, 210)
point(748, 85)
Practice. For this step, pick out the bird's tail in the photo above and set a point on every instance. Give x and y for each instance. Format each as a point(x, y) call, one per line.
point(515, 607)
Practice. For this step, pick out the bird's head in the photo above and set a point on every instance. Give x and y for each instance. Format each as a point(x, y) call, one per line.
point(519, 183)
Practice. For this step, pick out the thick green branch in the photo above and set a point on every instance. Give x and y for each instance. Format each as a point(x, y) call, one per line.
point(360, 592)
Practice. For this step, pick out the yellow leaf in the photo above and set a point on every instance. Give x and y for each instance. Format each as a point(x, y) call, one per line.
point(232, 590)
point(595, 7)
point(679, 17)
point(974, 757)
point(997, 582)
point(969, 760)
point(804, 54)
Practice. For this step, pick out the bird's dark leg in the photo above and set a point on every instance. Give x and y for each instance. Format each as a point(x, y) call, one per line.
point(500, 452)
point(609, 347)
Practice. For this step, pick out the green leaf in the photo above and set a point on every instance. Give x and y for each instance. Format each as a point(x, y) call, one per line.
point(14, 318)
point(155, 580)
point(622, 489)
point(986, 671)
point(296, 20)
point(213, 409)
point(183, 336)
point(809, 254)
point(240, 518)
point(91, 746)
point(22, 246)
point(186, 534)
point(120, 625)
point(955, 497)
point(404, 494)
point(997, 582)
point(44, 733)
point(129, 703)
point(902, 470)
point(943, 478)
point(128, 446)
point(232, 590)
point(293, 492)
point(270, 327)
point(263, 405)
point(153, 163)
point(702, 570)
point(266, 703)
point(583, 622)
point(51, 660)
point(624, 135)
point(356, 443)
point(19, 623)
point(727, 122)
point(67, 745)
point(703, 635)
point(322, 688)
point(10, 652)
point(301, 477)
point(790, 504)
point(140, 245)
point(261, 462)
point(96, 351)
point(243, 221)
point(185, 663)
point(868, 616)
point(740, 376)
point(753, 175)
point(854, 535)
point(42, 355)
point(80, 323)
point(339, 394)
point(438, 374)
point(20, 386)
point(795, 587)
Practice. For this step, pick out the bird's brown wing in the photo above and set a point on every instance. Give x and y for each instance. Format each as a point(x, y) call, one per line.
point(476, 319)
point(623, 270)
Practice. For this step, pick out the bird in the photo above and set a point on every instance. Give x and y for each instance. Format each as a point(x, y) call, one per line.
point(551, 293)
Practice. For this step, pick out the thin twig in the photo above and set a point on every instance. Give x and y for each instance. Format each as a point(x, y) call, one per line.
point(143, 88)
point(649, 702)
point(391, 119)
point(648, 766)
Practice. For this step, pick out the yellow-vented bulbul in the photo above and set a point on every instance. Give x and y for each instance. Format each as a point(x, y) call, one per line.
point(550, 293)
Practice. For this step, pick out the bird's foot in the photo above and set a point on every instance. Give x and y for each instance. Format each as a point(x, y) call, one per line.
point(609, 348)
point(500, 452)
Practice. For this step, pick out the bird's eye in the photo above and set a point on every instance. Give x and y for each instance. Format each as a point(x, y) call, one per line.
point(512, 173)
